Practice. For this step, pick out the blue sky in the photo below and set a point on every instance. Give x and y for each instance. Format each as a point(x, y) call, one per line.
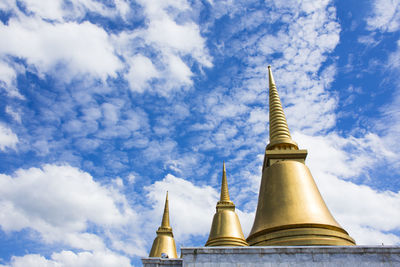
point(106, 105)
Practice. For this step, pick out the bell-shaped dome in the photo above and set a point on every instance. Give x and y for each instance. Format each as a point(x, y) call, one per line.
point(225, 229)
point(290, 211)
point(164, 243)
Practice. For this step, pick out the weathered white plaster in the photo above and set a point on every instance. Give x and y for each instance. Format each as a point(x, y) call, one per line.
point(159, 262)
point(285, 256)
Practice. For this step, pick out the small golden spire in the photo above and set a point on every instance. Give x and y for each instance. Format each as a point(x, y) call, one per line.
point(279, 135)
point(225, 228)
point(164, 243)
point(165, 219)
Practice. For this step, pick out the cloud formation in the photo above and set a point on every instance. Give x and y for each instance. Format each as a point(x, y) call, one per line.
point(69, 258)
point(385, 16)
point(58, 202)
point(65, 49)
point(8, 139)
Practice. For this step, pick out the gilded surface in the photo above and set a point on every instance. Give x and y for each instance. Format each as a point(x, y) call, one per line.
point(164, 242)
point(290, 211)
point(225, 228)
point(279, 135)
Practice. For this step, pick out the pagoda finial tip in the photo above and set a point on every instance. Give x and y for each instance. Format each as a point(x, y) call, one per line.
point(224, 185)
point(165, 219)
point(279, 135)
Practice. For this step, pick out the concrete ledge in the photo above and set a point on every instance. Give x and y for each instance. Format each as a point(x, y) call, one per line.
point(327, 256)
point(291, 249)
point(158, 262)
point(289, 256)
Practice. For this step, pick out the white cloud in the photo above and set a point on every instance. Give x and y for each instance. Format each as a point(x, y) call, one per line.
point(228, 109)
point(159, 149)
point(344, 157)
point(74, 126)
point(67, 48)
point(91, 113)
point(140, 73)
point(110, 113)
point(156, 8)
point(176, 46)
point(71, 259)
point(14, 114)
point(178, 70)
point(8, 77)
point(8, 139)
point(368, 40)
point(259, 119)
point(170, 36)
point(60, 10)
point(132, 177)
point(385, 15)
point(394, 58)
point(7, 73)
point(121, 122)
point(389, 122)
point(166, 32)
point(71, 199)
point(45, 9)
point(7, 5)
point(367, 235)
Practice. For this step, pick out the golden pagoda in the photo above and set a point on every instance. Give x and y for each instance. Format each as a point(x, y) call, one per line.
point(225, 228)
point(164, 244)
point(290, 211)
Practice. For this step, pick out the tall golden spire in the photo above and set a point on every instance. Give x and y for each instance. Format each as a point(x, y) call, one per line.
point(164, 243)
point(224, 186)
point(290, 211)
point(279, 135)
point(225, 227)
